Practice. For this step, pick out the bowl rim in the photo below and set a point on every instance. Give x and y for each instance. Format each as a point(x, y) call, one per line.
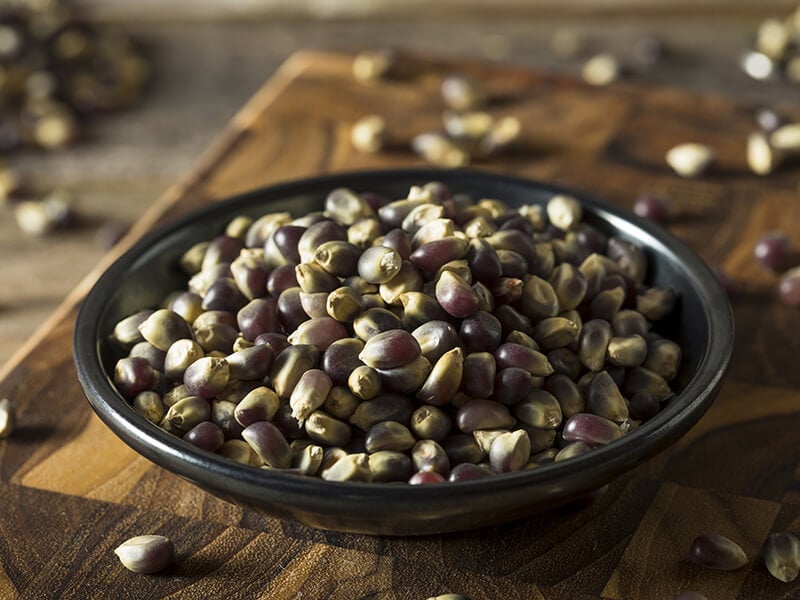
point(306, 493)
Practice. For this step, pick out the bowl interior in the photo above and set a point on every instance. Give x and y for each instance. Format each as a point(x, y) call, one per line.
point(143, 276)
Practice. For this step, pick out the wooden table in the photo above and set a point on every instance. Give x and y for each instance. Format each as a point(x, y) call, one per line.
point(204, 71)
point(72, 491)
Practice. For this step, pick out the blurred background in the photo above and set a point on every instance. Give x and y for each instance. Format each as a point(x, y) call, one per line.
point(105, 103)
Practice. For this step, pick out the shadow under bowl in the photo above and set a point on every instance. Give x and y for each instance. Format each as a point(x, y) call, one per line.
point(702, 324)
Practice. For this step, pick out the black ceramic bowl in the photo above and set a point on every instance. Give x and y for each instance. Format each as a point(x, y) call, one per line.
point(144, 275)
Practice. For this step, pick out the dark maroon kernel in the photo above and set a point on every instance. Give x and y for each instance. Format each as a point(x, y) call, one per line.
point(205, 436)
point(517, 355)
point(341, 358)
point(269, 443)
point(455, 296)
point(511, 385)
point(398, 240)
point(286, 238)
point(426, 477)
point(590, 237)
point(390, 349)
point(773, 251)
point(224, 295)
point(519, 223)
point(276, 341)
point(431, 256)
point(512, 264)
point(281, 278)
point(512, 320)
point(481, 332)
point(290, 309)
point(652, 207)
point(483, 261)
point(290, 427)
point(478, 413)
point(478, 376)
point(591, 429)
point(251, 363)
point(715, 551)
point(469, 472)
point(566, 362)
point(133, 376)
point(257, 317)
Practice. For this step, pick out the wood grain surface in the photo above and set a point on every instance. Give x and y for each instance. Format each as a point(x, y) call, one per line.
point(445, 9)
point(72, 491)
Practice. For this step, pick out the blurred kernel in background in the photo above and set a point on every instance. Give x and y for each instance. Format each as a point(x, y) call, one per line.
point(105, 103)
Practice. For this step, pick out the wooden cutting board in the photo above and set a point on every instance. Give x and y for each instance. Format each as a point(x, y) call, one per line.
point(71, 491)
